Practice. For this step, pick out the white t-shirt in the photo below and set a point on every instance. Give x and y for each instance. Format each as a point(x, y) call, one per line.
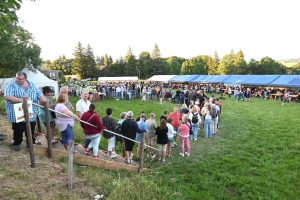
point(82, 106)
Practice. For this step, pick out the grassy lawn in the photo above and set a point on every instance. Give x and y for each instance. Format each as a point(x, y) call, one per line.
point(254, 156)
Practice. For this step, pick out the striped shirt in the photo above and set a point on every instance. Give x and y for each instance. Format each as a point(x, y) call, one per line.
point(33, 94)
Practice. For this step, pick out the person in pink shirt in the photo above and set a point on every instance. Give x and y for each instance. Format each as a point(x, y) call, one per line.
point(175, 115)
point(184, 130)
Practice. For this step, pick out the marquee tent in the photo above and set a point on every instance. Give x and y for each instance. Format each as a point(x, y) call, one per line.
point(287, 81)
point(118, 79)
point(40, 80)
point(259, 79)
point(217, 79)
point(199, 79)
point(183, 78)
point(162, 78)
point(235, 80)
point(4, 82)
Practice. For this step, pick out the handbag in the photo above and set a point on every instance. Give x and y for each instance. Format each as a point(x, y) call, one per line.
point(191, 131)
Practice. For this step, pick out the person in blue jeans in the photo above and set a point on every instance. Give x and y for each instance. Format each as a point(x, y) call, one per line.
point(207, 112)
point(195, 120)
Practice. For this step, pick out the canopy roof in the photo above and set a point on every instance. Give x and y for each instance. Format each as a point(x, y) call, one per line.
point(287, 81)
point(259, 79)
point(120, 78)
point(183, 78)
point(162, 78)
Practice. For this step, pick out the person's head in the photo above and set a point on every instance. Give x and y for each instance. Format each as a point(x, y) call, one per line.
point(169, 120)
point(64, 90)
point(165, 112)
point(108, 111)
point(92, 107)
point(47, 91)
point(62, 98)
point(123, 115)
point(185, 118)
point(213, 101)
point(184, 105)
point(142, 118)
point(129, 114)
point(163, 124)
point(152, 116)
point(85, 95)
point(21, 77)
point(175, 110)
point(194, 109)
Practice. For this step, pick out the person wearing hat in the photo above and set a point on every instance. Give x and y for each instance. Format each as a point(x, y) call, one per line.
point(48, 94)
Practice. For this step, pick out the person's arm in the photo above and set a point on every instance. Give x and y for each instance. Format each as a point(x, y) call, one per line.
point(13, 99)
point(68, 112)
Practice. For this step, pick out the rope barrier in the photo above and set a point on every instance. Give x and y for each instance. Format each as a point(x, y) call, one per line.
point(94, 126)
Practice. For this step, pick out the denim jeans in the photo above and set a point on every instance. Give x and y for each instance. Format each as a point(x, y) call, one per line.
point(207, 128)
point(195, 128)
point(94, 145)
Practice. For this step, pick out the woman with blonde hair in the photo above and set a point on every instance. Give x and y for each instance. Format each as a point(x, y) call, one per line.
point(207, 113)
point(184, 130)
point(65, 123)
point(195, 120)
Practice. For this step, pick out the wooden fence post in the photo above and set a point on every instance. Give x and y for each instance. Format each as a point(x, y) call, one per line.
point(28, 130)
point(70, 166)
point(49, 136)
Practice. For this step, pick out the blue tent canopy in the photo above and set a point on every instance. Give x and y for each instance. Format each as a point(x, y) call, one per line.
point(199, 79)
point(287, 81)
point(259, 79)
point(217, 79)
point(183, 78)
point(235, 80)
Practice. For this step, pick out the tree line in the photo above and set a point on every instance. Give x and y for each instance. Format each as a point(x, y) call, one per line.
point(147, 64)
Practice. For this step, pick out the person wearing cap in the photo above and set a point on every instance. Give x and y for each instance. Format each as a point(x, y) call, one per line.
point(48, 94)
point(13, 94)
point(129, 129)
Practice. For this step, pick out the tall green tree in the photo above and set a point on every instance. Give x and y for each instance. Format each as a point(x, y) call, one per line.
point(78, 62)
point(213, 64)
point(144, 63)
point(16, 48)
point(130, 63)
point(173, 65)
point(157, 62)
point(240, 63)
point(226, 65)
point(89, 63)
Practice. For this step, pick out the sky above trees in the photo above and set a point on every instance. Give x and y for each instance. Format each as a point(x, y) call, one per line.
point(179, 27)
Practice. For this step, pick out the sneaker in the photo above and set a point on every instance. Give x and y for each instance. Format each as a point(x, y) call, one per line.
point(87, 151)
point(195, 139)
point(148, 155)
point(98, 157)
point(17, 148)
point(163, 161)
point(186, 153)
point(152, 156)
point(129, 161)
point(54, 141)
point(113, 155)
point(181, 154)
point(159, 159)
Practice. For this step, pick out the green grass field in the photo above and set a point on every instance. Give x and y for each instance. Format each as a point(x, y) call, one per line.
point(254, 156)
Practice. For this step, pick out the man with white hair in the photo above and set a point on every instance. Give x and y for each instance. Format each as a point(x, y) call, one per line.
point(82, 106)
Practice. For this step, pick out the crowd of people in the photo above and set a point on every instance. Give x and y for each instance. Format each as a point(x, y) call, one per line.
point(196, 106)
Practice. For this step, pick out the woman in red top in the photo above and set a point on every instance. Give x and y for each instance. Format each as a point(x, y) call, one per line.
point(92, 133)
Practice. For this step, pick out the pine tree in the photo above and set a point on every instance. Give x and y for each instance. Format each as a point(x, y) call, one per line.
point(157, 62)
point(78, 62)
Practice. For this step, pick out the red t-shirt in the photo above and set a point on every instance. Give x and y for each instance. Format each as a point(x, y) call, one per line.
point(176, 119)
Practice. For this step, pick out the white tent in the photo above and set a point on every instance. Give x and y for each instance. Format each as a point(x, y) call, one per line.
point(40, 80)
point(120, 79)
point(162, 78)
point(4, 82)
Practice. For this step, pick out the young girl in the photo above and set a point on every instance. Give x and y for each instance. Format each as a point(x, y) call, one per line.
point(184, 130)
point(207, 113)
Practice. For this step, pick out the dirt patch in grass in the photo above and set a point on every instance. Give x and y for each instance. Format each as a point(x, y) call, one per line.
point(48, 180)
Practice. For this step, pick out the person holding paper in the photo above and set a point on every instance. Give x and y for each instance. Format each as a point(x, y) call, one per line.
point(13, 94)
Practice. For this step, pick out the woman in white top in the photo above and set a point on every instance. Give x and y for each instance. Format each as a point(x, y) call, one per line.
point(207, 112)
point(170, 133)
point(195, 120)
